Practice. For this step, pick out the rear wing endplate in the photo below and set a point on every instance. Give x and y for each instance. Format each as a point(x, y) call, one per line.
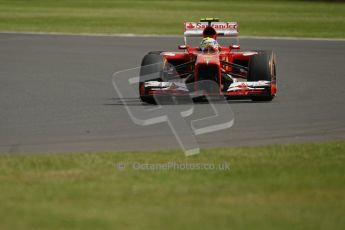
point(223, 29)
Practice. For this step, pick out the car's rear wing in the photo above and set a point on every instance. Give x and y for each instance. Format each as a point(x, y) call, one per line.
point(225, 29)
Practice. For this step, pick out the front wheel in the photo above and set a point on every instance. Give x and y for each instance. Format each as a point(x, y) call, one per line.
point(151, 70)
point(262, 67)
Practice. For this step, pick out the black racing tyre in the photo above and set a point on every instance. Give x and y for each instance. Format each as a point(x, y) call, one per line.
point(155, 52)
point(262, 67)
point(151, 70)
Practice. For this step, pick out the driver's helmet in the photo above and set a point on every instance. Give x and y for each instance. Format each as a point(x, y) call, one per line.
point(209, 44)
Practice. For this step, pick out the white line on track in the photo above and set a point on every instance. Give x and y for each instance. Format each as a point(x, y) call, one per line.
point(164, 36)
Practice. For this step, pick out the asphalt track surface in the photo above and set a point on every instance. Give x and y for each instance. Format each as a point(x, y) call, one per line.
point(56, 95)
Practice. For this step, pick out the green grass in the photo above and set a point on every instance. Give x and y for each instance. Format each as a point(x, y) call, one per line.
point(258, 18)
point(269, 187)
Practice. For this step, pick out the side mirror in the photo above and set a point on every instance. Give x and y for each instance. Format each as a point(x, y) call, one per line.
point(182, 47)
point(235, 47)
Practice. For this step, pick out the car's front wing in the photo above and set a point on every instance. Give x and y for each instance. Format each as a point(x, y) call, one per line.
point(236, 89)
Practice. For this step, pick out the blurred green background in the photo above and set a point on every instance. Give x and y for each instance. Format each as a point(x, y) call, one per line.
point(269, 187)
point(256, 18)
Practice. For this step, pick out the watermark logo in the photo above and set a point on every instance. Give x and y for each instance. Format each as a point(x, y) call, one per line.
point(173, 166)
point(126, 85)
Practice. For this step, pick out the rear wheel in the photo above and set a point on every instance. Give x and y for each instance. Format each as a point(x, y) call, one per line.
point(262, 67)
point(151, 70)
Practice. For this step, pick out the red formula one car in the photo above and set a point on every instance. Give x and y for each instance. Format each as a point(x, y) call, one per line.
point(209, 69)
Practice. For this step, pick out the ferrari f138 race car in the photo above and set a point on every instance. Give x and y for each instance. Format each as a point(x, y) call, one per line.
point(209, 69)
